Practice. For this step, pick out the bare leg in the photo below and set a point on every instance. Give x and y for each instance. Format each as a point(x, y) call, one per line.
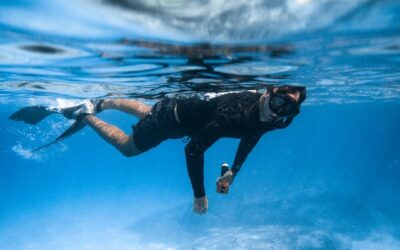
point(133, 107)
point(113, 135)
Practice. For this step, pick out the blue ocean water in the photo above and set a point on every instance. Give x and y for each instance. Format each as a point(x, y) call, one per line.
point(331, 180)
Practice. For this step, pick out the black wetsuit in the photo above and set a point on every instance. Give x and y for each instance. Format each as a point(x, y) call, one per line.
point(234, 115)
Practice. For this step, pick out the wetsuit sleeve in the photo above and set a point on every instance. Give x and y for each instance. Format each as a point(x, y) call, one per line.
point(194, 152)
point(246, 145)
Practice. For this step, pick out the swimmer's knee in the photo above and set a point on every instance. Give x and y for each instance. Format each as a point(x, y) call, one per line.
point(129, 152)
point(129, 148)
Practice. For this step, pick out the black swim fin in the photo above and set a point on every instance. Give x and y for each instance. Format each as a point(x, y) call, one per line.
point(35, 114)
point(75, 127)
point(32, 114)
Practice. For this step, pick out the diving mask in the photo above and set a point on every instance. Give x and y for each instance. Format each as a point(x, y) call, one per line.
point(278, 107)
point(283, 105)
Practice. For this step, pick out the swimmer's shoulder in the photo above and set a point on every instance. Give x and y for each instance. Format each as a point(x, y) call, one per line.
point(233, 94)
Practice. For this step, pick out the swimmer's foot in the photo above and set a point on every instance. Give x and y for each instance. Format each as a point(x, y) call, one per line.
point(91, 107)
point(97, 105)
point(80, 111)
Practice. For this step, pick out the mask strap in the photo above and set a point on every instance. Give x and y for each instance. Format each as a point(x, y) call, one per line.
point(267, 115)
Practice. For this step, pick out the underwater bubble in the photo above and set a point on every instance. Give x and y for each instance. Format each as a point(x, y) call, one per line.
point(25, 153)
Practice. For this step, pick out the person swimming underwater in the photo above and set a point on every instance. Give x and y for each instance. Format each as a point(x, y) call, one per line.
point(244, 115)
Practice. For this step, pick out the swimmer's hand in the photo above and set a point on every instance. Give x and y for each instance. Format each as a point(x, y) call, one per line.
point(200, 205)
point(224, 182)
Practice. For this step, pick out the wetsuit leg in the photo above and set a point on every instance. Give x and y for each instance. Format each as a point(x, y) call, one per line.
point(159, 125)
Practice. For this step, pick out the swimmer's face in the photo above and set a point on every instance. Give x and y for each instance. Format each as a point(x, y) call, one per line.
point(286, 100)
point(296, 93)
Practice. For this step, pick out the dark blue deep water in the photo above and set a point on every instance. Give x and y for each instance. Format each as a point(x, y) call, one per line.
point(331, 180)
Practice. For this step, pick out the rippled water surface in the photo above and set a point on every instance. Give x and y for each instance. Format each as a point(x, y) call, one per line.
point(339, 63)
point(327, 182)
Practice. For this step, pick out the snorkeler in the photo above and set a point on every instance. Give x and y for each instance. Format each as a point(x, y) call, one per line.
point(245, 115)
